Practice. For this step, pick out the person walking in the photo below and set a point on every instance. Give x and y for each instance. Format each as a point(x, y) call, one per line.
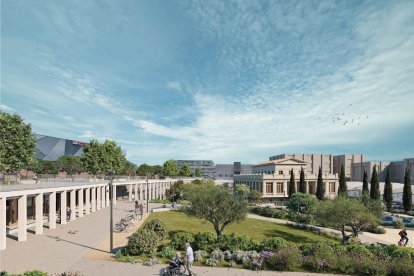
point(404, 236)
point(136, 206)
point(141, 210)
point(68, 213)
point(190, 258)
point(35, 178)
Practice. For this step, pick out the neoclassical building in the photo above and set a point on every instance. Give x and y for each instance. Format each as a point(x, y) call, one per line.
point(271, 178)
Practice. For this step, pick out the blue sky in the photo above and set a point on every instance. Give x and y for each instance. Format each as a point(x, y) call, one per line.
point(221, 80)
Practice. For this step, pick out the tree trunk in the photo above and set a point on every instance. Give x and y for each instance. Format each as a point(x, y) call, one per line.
point(218, 231)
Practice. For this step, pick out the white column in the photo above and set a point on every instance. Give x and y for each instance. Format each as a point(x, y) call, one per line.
point(130, 193)
point(103, 196)
point(107, 195)
point(3, 223)
point(73, 204)
point(22, 217)
point(87, 201)
point(63, 207)
point(140, 191)
point(98, 198)
point(114, 195)
point(93, 200)
point(136, 191)
point(80, 203)
point(39, 214)
point(52, 210)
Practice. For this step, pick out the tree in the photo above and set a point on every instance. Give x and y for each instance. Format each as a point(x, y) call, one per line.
point(216, 205)
point(114, 159)
point(365, 189)
point(302, 183)
point(255, 196)
point(92, 155)
point(303, 203)
point(129, 168)
point(70, 164)
point(17, 144)
point(198, 172)
point(374, 192)
point(387, 196)
point(175, 192)
point(47, 167)
point(407, 199)
point(242, 190)
point(147, 170)
point(342, 182)
point(170, 168)
point(320, 188)
point(345, 212)
point(292, 188)
point(185, 170)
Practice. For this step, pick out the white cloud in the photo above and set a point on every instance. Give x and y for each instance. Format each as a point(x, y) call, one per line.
point(174, 85)
point(4, 107)
point(88, 134)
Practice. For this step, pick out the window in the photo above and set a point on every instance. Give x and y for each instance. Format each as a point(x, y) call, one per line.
point(332, 187)
point(280, 172)
point(269, 188)
point(279, 187)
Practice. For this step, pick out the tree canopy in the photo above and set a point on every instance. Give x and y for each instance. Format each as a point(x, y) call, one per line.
point(17, 143)
point(320, 188)
point(292, 184)
point(387, 196)
point(302, 183)
point(242, 190)
point(185, 170)
point(375, 192)
point(342, 182)
point(70, 164)
point(365, 188)
point(407, 199)
point(302, 202)
point(216, 205)
point(175, 192)
point(345, 212)
point(197, 172)
point(170, 168)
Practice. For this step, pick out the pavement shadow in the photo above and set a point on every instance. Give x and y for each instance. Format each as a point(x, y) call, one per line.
point(58, 239)
point(12, 237)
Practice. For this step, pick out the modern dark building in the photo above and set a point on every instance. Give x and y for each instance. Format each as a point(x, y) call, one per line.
point(51, 148)
point(227, 171)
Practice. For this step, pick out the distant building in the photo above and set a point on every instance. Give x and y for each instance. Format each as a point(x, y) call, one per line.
point(368, 166)
point(207, 167)
point(227, 171)
point(51, 148)
point(347, 160)
point(271, 178)
point(314, 161)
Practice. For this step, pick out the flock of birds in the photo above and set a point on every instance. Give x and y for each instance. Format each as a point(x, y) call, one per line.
point(345, 118)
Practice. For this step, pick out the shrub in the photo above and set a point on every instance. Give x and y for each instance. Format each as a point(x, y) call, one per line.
point(359, 250)
point(179, 239)
point(371, 266)
point(158, 227)
point(285, 259)
point(319, 256)
point(228, 255)
point(269, 212)
point(398, 224)
point(34, 273)
point(402, 267)
point(204, 241)
point(167, 252)
point(300, 217)
point(142, 241)
point(118, 254)
point(232, 243)
point(218, 255)
point(3, 273)
point(232, 263)
point(151, 261)
point(273, 244)
point(199, 255)
point(376, 230)
point(212, 262)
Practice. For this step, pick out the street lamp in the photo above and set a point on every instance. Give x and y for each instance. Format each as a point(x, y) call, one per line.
point(111, 186)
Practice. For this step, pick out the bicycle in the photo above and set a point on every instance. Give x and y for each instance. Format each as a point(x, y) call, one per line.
point(123, 225)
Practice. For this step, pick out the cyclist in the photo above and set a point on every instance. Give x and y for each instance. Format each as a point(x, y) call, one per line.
point(404, 236)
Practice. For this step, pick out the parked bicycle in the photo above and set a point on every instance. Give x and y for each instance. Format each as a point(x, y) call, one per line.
point(124, 225)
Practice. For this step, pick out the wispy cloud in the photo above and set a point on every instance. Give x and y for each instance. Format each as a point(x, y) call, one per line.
point(4, 107)
point(174, 85)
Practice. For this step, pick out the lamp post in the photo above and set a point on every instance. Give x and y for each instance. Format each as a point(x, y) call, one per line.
point(111, 241)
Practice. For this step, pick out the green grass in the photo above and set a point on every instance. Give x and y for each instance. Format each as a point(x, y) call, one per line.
point(256, 229)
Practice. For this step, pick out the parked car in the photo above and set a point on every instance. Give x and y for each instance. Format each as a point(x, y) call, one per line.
point(389, 220)
point(408, 222)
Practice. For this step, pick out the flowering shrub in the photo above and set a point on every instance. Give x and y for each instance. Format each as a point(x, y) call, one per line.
point(232, 243)
point(285, 259)
point(180, 238)
point(142, 241)
point(167, 252)
point(199, 255)
point(151, 261)
point(273, 244)
point(218, 255)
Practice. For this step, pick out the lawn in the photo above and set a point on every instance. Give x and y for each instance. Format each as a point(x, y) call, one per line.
point(256, 229)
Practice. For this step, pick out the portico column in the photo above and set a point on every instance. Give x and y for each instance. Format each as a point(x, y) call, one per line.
point(63, 207)
point(107, 195)
point(136, 191)
point(103, 196)
point(3, 223)
point(130, 193)
point(52, 210)
point(22, 217)
point(73, 204)
point(87, 201)
point(98, 198)
point(93, 200)
point(39, 214)
point(326, 188)
point(80, 203)
point(114, 195)
point(307, 186)
point(140, 191)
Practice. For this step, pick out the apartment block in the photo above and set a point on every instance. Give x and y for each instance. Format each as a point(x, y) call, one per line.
point(314, 161)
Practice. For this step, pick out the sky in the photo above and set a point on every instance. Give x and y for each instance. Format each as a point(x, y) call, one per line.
point(219, 80)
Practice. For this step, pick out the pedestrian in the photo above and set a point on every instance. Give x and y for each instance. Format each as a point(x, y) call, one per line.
point(136, 206)
point(35, 178)
point(141, 210)
point(190, 258)
point(68, 213)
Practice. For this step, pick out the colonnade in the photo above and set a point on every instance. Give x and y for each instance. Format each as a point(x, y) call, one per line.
point(82, 198)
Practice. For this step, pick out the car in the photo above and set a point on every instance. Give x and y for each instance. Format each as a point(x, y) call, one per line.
point(389, 220)
point(408, 222)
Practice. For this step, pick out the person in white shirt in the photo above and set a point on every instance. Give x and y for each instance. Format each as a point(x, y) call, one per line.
point(190, 258)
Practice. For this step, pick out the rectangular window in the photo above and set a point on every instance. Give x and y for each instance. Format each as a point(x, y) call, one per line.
point(280, 172)
point(332, 187)
point(279, 187)
point(269, 187)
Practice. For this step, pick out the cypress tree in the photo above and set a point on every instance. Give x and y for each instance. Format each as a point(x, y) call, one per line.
point(374, 192)
point(407, 192)
point(320, 189)
point(342, 182)
point(365, 189)
point(292, 185)
point(302, 183)
point(387, 197)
